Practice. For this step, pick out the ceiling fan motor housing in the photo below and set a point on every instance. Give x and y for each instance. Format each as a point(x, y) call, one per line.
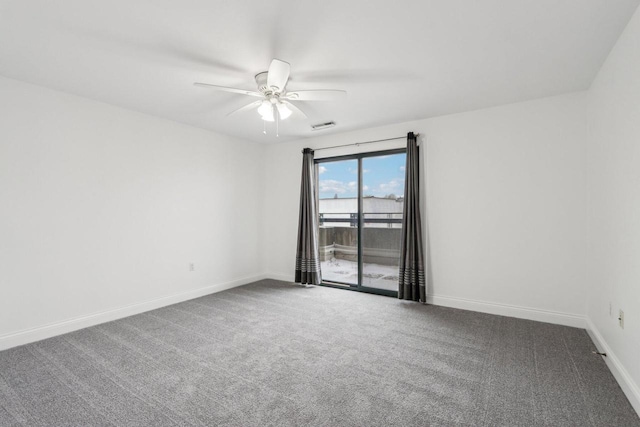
point(261, 81)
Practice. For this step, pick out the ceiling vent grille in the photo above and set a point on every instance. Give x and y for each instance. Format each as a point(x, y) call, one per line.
point(321, 126)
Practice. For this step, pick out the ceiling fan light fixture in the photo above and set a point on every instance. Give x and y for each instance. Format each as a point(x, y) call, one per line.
point(283, 111)
point(268, 117)
point(264, 108)
point(266, 113)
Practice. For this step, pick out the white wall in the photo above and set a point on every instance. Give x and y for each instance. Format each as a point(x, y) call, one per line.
point(506, 195)
point(101, 208)
point(104, 208)
point(614, 208)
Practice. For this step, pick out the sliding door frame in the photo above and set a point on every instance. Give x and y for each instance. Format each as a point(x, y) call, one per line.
point(359, 156)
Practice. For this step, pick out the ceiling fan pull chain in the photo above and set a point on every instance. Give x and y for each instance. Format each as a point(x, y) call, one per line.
point(264, 127)
point(277, 124)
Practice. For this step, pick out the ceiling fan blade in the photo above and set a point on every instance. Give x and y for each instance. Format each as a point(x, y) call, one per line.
point(247, 107)
point(316, 95)
point(278, 75)
point(230, 89)
point(295, 109)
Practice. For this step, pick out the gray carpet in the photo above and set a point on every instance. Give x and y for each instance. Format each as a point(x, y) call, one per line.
point(271, 353)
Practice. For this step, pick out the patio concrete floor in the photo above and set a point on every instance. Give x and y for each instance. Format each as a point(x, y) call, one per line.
point(373, 275)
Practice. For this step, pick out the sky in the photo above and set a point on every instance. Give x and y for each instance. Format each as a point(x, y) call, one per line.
point(383, 175)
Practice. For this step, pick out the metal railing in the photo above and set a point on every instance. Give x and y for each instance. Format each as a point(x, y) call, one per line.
point(352, 218)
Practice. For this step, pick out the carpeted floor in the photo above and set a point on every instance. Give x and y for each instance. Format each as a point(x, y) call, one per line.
point(271, 353)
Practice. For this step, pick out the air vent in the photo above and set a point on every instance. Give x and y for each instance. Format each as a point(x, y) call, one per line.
point(321, 126)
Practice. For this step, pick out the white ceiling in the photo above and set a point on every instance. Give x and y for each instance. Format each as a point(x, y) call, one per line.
point(399, 60)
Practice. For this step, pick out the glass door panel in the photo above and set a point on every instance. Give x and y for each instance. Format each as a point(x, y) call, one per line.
point(338, 222)
point(381, 234)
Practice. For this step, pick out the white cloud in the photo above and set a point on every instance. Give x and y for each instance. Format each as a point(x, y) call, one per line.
point(355, 171)
point(395, 186)
point(334, 186)
point(402, 168)
point(321, 170)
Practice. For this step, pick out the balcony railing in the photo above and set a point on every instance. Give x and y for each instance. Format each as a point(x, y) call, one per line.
point(381, 237)
point(388, 218)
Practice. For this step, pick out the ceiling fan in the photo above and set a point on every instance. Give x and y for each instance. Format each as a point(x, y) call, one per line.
point(275, 100)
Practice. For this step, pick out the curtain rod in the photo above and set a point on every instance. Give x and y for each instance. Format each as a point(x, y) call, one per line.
point(365, 142)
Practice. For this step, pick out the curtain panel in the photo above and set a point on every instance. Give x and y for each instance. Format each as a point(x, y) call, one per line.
point(308, 253)
point(411, 284)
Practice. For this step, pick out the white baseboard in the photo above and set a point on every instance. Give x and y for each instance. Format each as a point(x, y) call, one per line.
point(547, 316)
point(519, 312)
point(629, 387)
point(47, 331)
point(279, 276)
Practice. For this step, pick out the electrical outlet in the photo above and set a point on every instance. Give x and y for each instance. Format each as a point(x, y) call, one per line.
point(621, 319)
point(192, 266)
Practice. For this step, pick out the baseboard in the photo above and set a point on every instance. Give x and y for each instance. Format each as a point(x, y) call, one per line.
point(628, 386)
point(539, 315)
point(519, 312)
point(47, 331)
point(278, 276)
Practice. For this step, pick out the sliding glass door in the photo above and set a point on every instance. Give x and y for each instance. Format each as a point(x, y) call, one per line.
point(360, 202)
point(338, 222)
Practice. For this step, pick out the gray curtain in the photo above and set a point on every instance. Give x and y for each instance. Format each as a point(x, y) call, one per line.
point(412, 274)
point(308, 254)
